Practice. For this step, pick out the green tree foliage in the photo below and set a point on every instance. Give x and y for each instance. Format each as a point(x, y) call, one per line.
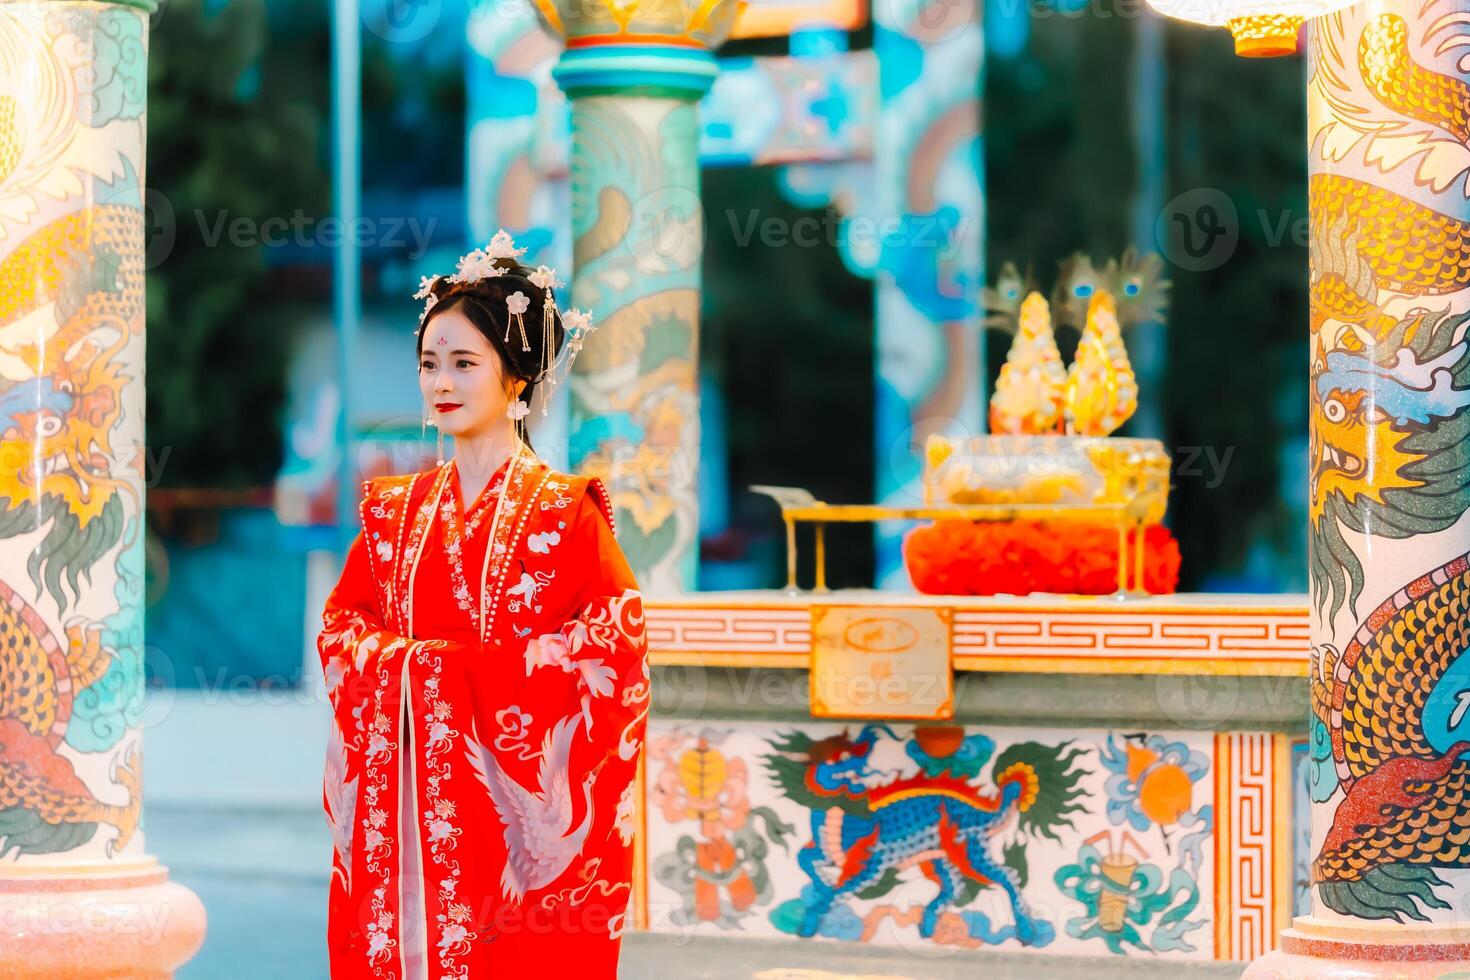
point(1237, 371)
point(236, 117)
point(788, 332)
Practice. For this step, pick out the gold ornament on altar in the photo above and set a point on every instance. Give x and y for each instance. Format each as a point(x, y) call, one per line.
point(1029, 392)
point(1036, 394)
point(1102, 392)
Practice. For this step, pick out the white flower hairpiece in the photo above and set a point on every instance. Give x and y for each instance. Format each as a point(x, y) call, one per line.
point(502, 246)
point(476, 265)
point(545, 278)
point(480, 263)
point(426, 287)
point(574, 321)
point(516, 304)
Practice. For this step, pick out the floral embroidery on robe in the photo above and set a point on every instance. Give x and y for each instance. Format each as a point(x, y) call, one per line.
point(479, 781)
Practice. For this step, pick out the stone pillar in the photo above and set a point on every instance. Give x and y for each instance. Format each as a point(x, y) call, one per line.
point(929, 369)
point(1390, 416)
point(511, 180)
point(635, 77)
point(79, 897)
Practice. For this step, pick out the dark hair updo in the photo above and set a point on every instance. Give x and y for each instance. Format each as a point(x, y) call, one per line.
point(483, 303)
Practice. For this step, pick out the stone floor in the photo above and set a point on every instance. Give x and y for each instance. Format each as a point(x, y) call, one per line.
point(260, 875)
point(233, 807)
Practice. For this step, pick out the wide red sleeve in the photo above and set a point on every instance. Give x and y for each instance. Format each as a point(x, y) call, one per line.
point(354, 634)
point(605, 645)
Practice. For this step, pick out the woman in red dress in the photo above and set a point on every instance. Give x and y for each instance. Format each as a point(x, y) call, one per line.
point(486, 663)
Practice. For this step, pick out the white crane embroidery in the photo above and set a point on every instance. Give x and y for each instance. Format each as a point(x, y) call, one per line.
point(340, 794)
point(539, 845)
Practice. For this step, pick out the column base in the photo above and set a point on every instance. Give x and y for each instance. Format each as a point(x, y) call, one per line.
point(1316, 950)
point(96, 923)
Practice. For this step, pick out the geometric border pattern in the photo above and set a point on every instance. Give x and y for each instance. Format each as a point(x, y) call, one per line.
point(1169, 634)
point(1253, 856)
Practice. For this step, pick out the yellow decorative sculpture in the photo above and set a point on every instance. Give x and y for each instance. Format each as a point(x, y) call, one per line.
point(1028, 393)
point(1035, 394)
point(1101, 389)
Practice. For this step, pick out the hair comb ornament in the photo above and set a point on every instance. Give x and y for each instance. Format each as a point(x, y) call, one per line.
point(516, 304)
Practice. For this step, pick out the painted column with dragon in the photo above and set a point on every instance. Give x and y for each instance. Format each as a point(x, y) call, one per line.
point(78, 894)
point(928, 262)
point(635, 74)
point(509, 181)
point(1389, 151)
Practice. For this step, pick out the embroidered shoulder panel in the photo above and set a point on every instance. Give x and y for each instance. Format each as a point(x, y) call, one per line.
point(604, 501)
point(384, 511)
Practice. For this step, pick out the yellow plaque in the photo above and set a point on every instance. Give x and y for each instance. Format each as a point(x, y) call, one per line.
point(773, 18)
point(881, 662)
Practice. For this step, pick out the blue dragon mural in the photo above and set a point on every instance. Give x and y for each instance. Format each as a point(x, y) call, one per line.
point(869, 826)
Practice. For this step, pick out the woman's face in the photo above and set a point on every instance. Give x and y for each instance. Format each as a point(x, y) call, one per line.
point(462, 377)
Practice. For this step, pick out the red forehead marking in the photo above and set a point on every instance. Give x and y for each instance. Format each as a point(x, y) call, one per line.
point(443, 341)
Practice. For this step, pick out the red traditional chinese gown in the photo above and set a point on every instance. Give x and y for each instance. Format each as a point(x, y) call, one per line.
point(480, 772)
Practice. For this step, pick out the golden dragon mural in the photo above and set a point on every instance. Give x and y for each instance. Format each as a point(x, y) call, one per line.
point(71, 323)
point(1394, 752)
point(1390, 367)
point(1389, 124)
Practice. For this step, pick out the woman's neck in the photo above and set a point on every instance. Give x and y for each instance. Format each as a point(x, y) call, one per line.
point(480, 455)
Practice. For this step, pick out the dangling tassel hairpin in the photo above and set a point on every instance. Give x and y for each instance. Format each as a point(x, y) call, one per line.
point(517, 303)
point(544, 278)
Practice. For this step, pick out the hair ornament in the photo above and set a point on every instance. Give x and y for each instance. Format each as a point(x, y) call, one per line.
point(481, 264)
point(545, 278)
point(426, 293)
point(576, 322)
point(475, 266)
point(577, 326)
point(502, 246)
point(517, 303)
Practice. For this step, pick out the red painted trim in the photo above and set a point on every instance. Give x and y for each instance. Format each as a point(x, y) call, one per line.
point(605, 40)
point(1331, 949)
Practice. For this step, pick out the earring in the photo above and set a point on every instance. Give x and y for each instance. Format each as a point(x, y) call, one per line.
point(438, 434)
point(517, 409)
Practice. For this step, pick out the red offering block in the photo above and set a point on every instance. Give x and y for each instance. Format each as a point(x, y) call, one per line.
point(1069, 557)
